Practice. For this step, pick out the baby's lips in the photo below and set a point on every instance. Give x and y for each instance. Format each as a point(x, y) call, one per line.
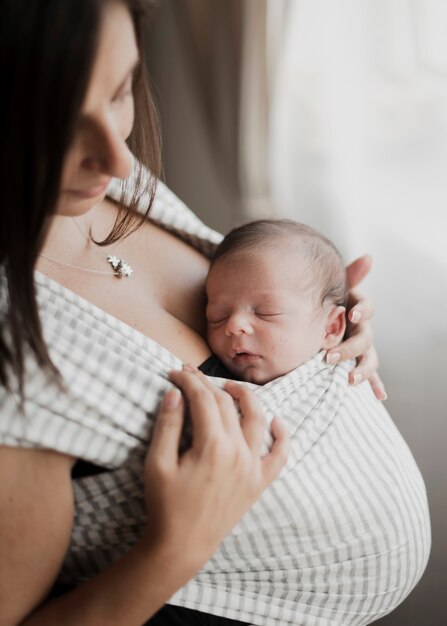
point(236, 351)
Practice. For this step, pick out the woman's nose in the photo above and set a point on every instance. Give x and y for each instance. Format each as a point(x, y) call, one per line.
point(237, 325)
point(109, 153)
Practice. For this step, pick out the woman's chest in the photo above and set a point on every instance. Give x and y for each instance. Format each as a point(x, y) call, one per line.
point(163, 298)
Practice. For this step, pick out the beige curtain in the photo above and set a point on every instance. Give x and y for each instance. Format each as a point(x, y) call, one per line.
point(253, 113)
point(210, 33)
point(228, 49)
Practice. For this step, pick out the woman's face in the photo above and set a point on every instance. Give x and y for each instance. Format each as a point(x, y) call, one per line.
point(99, 151)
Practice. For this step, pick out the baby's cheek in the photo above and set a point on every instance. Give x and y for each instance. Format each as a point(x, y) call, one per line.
point(214, 339)
point(279, 344)
point(285, 353)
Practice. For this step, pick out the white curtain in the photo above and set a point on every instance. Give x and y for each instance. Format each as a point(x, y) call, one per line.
point(358, 119)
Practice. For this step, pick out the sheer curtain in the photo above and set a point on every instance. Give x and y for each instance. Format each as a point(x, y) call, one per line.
point(358, 120)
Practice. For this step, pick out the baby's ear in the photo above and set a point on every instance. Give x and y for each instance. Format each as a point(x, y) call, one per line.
point(335, 327)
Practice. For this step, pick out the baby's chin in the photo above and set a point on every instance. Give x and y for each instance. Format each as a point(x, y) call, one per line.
point(257, 377)
point(253, 374)
point(257, 374)
point(252, 370)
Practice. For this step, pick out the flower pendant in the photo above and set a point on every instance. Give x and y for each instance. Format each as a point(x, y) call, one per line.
point(120, 266)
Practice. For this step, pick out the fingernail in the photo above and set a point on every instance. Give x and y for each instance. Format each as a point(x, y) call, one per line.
point(333, 357)
point(172, 399)
point(382, 394)
point(355, 316)
point(356, 379)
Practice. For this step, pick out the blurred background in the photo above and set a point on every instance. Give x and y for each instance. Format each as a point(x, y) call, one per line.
point(333, 113)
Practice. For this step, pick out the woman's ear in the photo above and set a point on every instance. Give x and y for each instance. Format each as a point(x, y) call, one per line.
point(335, 327)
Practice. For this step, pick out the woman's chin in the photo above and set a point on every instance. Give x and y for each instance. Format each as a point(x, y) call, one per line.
point(73, 205)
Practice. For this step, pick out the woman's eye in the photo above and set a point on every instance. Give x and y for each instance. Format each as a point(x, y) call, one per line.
point(126, 91)
point(123, 95)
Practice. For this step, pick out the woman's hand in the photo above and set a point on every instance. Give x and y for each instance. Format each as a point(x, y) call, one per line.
point(359, 342)
point(194, 500)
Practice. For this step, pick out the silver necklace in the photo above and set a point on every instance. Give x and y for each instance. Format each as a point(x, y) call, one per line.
point(121, 269)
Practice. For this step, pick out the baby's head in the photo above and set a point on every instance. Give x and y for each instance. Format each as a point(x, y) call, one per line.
point(276, 292)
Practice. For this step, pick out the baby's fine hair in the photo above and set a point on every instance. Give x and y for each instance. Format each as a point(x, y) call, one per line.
point(323, 260)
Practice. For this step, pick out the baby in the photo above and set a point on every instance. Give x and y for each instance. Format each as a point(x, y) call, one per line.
point(348, 514)
point(277, 293)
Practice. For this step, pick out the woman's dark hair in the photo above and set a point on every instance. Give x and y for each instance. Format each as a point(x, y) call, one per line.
point(47, 52)
point(320, 254)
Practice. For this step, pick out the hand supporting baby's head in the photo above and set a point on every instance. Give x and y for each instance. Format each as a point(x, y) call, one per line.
point(276, 294)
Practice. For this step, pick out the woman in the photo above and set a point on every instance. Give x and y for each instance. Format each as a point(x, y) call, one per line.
point(73, 77)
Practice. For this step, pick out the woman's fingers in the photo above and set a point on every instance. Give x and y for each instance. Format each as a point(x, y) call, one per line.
point(253, 428)
point(357, 270)
point(366, 366)
point(253, 418)
point(197, 498)
point(354, 347)
point(359, 342)
point(378, 387)
point(361, 310)
point(357, 376)
point(366, 369)
point(360, 347)
point(229, 415)
point(203, 409)
point(213, 411)
point(192, 503)
point(228, 411)
point(275, 460)
point(212, 408)
point(167, 430)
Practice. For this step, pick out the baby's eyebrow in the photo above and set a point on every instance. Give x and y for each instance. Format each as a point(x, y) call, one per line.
point(271, 293)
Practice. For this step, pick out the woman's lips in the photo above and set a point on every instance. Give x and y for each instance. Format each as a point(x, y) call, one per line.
point(90, 192)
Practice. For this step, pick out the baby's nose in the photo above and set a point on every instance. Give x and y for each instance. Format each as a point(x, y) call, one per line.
point(237, 325)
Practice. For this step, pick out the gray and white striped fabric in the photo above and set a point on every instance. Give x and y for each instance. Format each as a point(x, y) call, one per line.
point(340, 538)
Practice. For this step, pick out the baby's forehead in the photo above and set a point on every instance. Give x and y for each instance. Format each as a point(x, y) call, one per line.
point(283, 251)
point(268, 276)
point(273, 260)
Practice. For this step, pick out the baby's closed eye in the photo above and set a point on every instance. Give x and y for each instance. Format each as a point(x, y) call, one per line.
point(267, 314)
point(216, 322)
